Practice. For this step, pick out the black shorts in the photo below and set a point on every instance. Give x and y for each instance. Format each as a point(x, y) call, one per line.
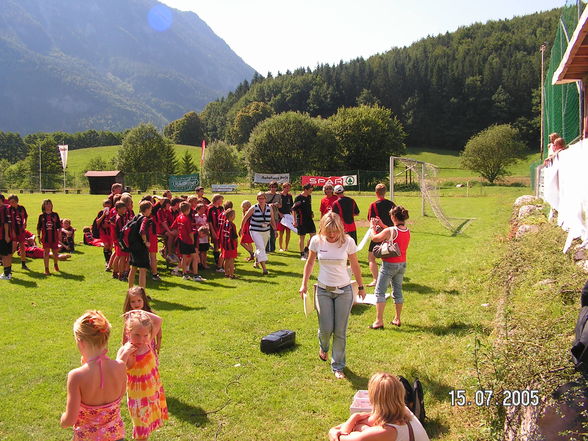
point(306, 228)
point(139, 257)
point(353, 235)
point(187, 248)
point(5, 248)
point(203, 247)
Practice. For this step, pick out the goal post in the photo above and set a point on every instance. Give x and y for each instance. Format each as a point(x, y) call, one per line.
point(428, 185)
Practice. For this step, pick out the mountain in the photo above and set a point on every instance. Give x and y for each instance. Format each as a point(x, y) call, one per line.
point(74, 65)
point(443, 88)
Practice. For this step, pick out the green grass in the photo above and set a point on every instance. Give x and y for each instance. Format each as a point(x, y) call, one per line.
point(78, 159)
point(219, 385)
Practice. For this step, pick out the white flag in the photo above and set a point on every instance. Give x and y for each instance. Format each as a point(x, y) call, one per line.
point(63, 152)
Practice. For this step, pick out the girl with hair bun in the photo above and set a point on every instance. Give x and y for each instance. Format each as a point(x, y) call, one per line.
point(389, 420)
point(393, 268)
point(95, 389)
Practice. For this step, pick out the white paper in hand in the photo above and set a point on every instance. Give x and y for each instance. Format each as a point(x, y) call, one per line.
point(308, 303)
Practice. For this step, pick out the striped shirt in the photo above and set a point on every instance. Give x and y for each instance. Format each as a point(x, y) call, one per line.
point(260, 220)
point(18, 219)
point(49, 225)
point(229, 236)
point(4, 219)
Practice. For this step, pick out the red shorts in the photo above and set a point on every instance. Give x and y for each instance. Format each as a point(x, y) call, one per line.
point(153, 245)
point(119, 252)
point(229, 254)
point(246, 238)
point(50, 245)
point(282, 227)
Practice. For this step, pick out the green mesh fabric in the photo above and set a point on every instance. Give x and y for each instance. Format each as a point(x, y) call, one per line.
point(562, 102)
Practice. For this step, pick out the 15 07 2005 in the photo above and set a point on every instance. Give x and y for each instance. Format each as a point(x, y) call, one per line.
point(487, 397)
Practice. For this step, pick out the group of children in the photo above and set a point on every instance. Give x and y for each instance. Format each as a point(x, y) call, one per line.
point(184, 225)
point(55, 235)
point(95, 390)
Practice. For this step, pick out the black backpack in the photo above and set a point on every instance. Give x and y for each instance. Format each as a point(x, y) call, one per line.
point(95, 230)
point(414, 397)
point(129, 236)
point(580, 347)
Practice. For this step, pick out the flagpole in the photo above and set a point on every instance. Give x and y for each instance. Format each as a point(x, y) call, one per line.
point(40, 167)
point(202, 161)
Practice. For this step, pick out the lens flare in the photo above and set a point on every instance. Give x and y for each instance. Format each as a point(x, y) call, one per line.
point(160, 18)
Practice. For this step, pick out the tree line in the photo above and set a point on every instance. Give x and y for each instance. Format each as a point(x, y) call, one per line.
point(443, 89)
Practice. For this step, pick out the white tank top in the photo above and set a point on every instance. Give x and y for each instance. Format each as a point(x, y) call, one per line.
point(417, 428)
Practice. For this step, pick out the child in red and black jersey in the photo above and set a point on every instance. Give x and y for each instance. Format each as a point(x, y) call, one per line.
point(5, 243)
point(67, 242)
point(229, 243)
point(347, 209)
point(103, 222)
point(222, 220)
point(139, 250)
point(121, 258)
point(214, 211)
point(18, 223)
point(186, 243)
point(49, 232)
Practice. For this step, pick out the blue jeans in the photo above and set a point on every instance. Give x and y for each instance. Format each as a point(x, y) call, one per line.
point(333, 316)
point(390, 273)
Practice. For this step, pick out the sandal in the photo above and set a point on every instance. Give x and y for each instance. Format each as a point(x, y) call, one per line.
point(339, 375)
point(395, 323)
point(372, 283)
point(323, 355)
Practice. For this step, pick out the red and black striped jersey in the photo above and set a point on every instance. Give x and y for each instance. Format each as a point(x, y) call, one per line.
point(381, 208)
point(214, 217)
point(229, 236)
point(18, 219)
point(4, 220)
point(50, 227)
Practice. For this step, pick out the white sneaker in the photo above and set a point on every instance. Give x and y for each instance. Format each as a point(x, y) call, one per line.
point(5, 276)
point(198, 278)
point(220, 270)
point(186, 277)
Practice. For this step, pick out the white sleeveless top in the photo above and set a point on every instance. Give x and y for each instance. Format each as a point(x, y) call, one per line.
point(417, 428)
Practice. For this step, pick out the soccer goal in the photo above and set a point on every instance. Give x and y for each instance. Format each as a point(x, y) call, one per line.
point(424, 175)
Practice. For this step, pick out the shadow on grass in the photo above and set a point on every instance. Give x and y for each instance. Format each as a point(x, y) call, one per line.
point(163, 305)
point(420, 289)
point(360, 309)
point(435, 427)
point(25, 283)
point(358, 382)
point(186, 412)
point(70, 276)
point(455, 328)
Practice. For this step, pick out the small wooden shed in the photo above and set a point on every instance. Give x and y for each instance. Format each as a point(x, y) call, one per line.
point(101, 181)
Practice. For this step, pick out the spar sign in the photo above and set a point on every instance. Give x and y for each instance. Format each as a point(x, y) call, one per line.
point(320, 181)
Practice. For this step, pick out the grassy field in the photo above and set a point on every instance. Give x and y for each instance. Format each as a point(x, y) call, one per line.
point(218, 384)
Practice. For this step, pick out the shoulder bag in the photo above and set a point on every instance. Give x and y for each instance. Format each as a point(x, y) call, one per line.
point(388, 248)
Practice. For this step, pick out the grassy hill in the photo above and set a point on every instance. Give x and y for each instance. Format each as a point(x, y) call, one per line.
point(78, 159)
point(446, 160)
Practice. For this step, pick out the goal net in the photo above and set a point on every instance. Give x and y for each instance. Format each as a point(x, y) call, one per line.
point(423, 177)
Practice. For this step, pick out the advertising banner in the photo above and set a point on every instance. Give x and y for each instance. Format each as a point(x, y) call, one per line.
point(183, 182)
point(266, 178)
point(319, 181)
point(63, 153)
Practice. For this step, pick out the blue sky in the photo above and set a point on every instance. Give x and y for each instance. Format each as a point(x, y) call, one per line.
point(277, 35)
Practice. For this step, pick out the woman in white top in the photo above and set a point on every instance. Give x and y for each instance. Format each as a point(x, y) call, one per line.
point(390, 419)
point(334, 296)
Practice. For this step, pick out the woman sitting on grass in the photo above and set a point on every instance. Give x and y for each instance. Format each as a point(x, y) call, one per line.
point(390, 419)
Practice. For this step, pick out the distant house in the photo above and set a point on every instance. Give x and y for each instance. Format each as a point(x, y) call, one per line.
point(101, 181)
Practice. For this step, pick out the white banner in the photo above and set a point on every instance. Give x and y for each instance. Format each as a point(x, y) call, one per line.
point(266, 178)
point(63, 152)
